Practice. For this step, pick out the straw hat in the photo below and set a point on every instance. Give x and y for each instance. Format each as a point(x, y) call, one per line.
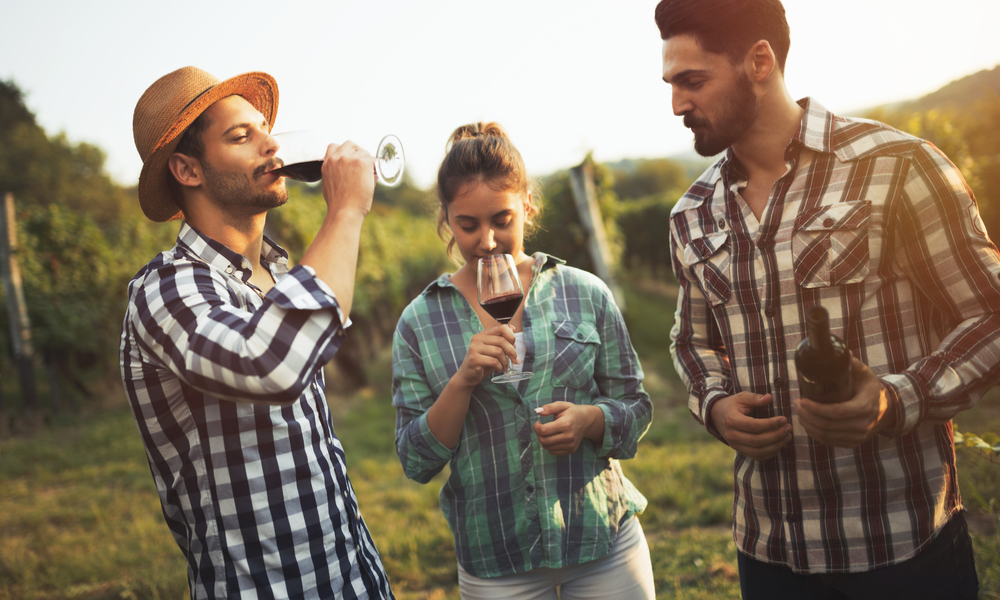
point(168, 107)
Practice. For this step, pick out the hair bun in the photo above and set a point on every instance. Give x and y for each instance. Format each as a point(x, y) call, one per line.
point(475, 130)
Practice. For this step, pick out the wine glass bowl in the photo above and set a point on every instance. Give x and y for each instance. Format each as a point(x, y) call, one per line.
point(389, 160)
point(302, 153)
point(499, 290)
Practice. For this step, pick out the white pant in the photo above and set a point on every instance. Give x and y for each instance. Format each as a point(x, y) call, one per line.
point(626, 573)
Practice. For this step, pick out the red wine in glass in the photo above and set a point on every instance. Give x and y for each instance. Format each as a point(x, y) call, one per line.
point(304, 171)
point(502, 308)
point(302, 153)
point(499, 289)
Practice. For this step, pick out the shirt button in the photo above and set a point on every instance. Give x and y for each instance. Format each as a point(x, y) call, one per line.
point(828, 222)
point(722, 224)
point(230, 269)
point(245, 264)
point(529, 488)
point(769, 311)
point(579, 336)
point(762, 244)
point(779, 383)
point(329, 440)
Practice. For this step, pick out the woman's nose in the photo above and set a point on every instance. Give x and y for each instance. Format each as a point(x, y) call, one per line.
point(488, 242)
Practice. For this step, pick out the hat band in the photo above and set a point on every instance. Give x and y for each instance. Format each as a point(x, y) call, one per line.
point(203, 92)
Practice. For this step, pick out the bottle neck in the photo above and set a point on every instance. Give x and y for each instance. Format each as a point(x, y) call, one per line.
point(818, 330)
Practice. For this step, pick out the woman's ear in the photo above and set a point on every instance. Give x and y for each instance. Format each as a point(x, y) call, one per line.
point(185, 169)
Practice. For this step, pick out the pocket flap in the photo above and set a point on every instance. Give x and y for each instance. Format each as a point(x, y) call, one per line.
point(582, 332)
point(702, 248)
point(845, 215)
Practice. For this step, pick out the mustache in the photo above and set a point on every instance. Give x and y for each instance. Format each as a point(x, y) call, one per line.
point(693, 121)
point(271, 165)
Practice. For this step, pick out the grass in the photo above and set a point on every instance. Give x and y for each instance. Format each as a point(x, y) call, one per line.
point(80, 518)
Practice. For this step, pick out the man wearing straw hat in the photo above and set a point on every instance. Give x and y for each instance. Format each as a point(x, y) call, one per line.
point(223, 347)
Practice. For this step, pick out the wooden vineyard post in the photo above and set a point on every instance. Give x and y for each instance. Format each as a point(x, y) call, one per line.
point(17, 311)
point(581, 179)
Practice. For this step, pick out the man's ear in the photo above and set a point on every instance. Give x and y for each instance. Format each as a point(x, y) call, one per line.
point(760, 62)
point(185, 169)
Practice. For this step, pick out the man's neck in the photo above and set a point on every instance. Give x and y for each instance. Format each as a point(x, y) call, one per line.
point(761, 150)
point(243, 234)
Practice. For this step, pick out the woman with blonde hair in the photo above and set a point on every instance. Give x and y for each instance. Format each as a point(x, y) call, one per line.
point(536, 499)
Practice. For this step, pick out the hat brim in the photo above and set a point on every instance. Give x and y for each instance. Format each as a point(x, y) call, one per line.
point(155, 197)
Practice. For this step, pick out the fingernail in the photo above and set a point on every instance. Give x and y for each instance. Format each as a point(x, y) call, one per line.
point(539, 410)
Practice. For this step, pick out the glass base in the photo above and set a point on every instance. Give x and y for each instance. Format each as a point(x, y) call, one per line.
point(511, 377)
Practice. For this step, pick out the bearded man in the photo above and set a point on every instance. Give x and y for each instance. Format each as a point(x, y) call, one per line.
point(223, 345)
point(805, 208)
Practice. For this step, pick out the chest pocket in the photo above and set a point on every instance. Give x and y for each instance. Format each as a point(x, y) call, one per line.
point(576, 345)
point(710, 258)
point(830, 245)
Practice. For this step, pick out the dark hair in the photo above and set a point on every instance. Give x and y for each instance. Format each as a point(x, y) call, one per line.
point(481, 153)
point(192, 143)
point(729, 27)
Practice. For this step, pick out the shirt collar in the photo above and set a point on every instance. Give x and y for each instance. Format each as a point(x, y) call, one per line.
point(815, 133)
point(221, 257)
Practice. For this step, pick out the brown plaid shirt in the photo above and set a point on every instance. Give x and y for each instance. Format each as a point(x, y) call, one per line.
point(880, 229)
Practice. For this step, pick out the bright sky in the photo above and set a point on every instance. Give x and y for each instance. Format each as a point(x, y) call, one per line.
point(563, 77)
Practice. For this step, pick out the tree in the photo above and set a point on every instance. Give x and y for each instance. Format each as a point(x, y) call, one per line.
point(82, 236)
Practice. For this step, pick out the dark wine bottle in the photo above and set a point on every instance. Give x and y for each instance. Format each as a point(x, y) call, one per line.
point(823, 361)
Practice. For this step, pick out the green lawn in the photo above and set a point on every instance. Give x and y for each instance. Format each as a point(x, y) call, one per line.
point(79, 516)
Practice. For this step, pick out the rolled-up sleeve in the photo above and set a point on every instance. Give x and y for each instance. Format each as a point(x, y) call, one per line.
point(188, 320)
point(421, 454)
point(625, 404)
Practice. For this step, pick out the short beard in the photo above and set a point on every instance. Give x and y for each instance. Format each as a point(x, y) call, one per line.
point(235, 193)
point(739, 112)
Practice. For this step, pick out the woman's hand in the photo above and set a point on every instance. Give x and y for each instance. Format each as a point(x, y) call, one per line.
point(490, 351)
point(571, 424)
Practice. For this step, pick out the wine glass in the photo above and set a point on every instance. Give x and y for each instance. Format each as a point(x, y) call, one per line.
point(302, 153)
point(500, 293)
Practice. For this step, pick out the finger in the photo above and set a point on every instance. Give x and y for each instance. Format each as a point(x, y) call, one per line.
point(760, 440)
point(554, 408)
point(550, 429)
point(761, 448)
point(755, 400)
point(742, 422)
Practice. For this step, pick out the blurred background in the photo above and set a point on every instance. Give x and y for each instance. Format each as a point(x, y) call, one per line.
point(574, 84)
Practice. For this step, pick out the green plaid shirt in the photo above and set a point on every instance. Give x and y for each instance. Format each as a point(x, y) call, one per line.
point(512, 506)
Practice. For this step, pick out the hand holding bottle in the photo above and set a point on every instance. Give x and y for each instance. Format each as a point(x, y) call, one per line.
point(850, 423)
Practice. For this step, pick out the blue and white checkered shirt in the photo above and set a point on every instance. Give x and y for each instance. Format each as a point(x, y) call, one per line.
point(226, 386)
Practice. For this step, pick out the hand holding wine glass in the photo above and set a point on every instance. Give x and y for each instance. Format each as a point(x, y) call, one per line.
point(301, 154)
point(500, 293)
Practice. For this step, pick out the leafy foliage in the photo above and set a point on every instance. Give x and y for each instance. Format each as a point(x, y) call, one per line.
point(987, 446)
point(79, 239)
point(559, 230)
point(400, 254)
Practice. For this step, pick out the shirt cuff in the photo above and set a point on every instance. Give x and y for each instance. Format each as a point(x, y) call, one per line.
point(907, 395)
point(711, 397)
point(300, 289)
point(608, 447)
point(427, 445)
